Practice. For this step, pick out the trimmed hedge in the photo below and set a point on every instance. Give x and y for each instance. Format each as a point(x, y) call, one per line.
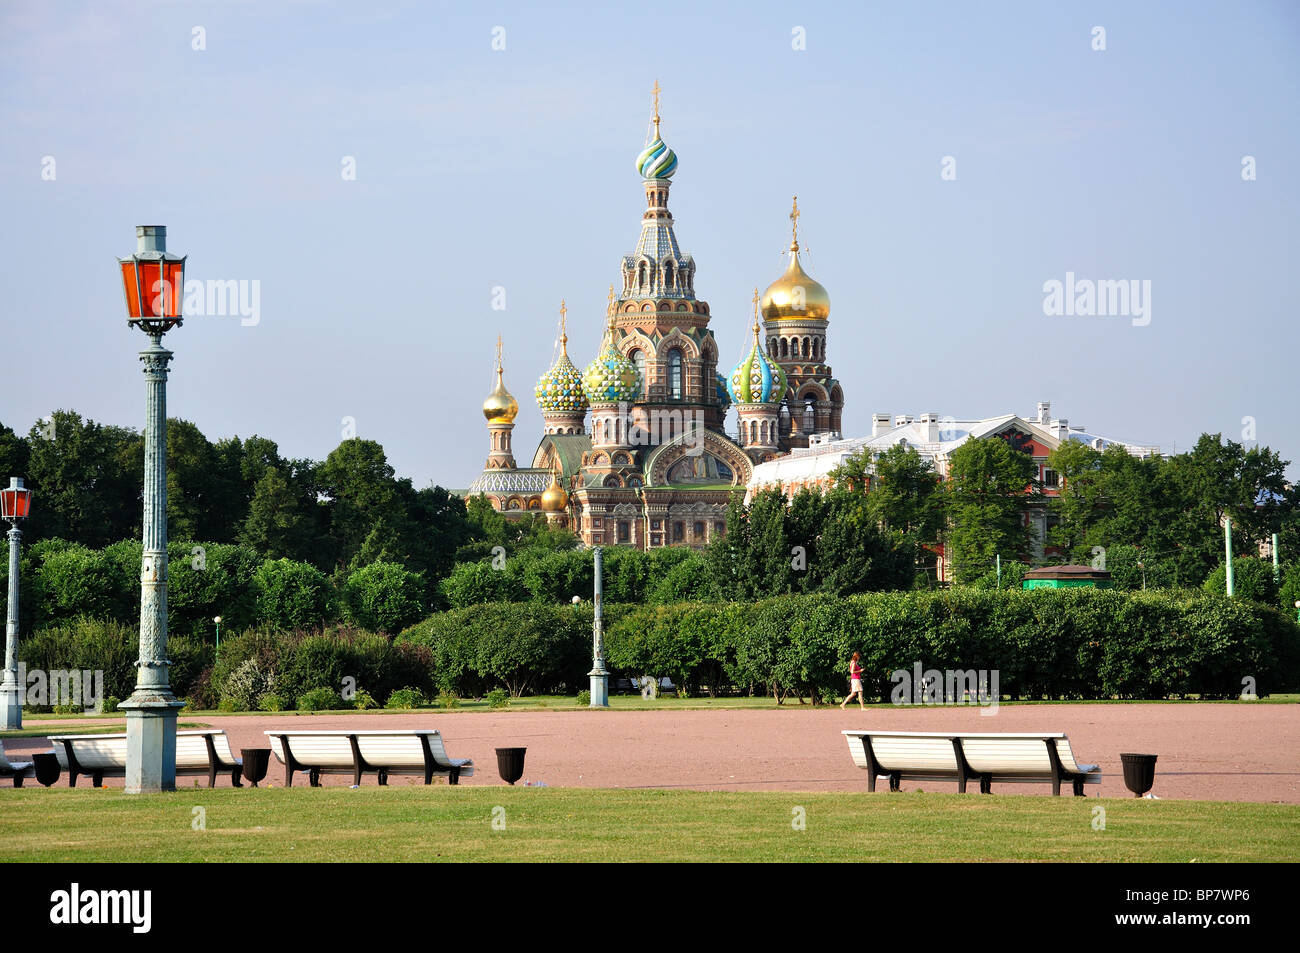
point(1073, 643)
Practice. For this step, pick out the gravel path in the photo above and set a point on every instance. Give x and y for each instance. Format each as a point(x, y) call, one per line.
point(1229, 752)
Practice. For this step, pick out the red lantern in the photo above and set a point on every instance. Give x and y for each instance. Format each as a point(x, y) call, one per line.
point(15, 500)
point(153, 282)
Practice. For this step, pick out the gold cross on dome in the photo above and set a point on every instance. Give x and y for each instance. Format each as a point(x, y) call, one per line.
point(564, 336)
point(655, 93)
point(498, 351)
point(794, 224)
point(755, 314)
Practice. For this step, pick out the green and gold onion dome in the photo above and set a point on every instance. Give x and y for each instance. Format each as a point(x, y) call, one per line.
point(559, 390)
point(757, 379)
point(500, 407)
point(611, 378)
point(657, 161)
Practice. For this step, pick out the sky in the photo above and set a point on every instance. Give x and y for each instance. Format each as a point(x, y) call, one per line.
point(951, 160)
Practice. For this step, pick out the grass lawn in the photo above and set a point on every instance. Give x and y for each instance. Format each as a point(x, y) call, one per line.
point(456, 823)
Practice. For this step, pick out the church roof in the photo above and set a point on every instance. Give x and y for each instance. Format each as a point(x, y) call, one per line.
point(528, 480)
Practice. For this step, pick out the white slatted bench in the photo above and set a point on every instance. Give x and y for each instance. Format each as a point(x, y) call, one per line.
point(969, 756)
point(15, 769)
point(198, 752)
point(414, 751)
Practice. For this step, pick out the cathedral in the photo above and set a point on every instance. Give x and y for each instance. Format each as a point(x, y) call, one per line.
point(635, 450)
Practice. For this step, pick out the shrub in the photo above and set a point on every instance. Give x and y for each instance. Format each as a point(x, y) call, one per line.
point(384, 597)
point(1252, 578)
point(405, 698)
point(291, 594)
point(584, 697)
point(273, 701)
point(498, 698)
point(448, 700)
point(319, 699)
point(241, 689)
point(363, 700)
point(111, 703)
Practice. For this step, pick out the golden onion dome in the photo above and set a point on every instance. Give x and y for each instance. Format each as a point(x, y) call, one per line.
point(500, 407)
point(795, 295)
point(554, 499)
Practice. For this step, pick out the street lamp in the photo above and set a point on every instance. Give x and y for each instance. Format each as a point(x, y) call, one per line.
point(599, 674)
point(217, 620)
point(15, 504)
point(153, 282)
point(1297, 610)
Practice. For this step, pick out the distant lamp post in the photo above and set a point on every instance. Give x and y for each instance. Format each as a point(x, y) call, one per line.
point(216, 620)
point(599, 674)
point(15, 504)
point(1297, 610)
point(577, 599)
point(153, 282)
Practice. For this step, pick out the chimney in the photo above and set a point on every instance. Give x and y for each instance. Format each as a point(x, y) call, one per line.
point(150, 238)
point(902, 420)
point(879, 424)
point(930, 422)
point(1044, 412)
point(1060, 429)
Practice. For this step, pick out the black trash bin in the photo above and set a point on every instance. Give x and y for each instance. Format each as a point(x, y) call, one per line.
point(47, 767)
point(1139, 772)
point(510, 764)
point(256, 761)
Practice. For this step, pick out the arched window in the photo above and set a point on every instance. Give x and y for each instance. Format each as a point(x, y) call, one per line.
point(785, 347)
point(675, 374)
point(668, 274)
point(638, 358)
point(640, 275)
point(809, 415)
point(771, 348)
point(807, 349)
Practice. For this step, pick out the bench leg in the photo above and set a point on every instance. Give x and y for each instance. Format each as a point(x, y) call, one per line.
point(454, 776)
point(237, 777)
point(288, 775)
point(18, 779)
point(97, 779)
point(72, 778)
point(1078, 787)
point(1056, 786)
point(895, 781)
point(313, 777)
point(383, 777)
point(961, 784)
point(986, 785)
point(212, 776)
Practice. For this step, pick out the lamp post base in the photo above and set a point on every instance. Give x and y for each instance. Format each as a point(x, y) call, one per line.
point(150, 742)
point(11, 704)
point(599, 688)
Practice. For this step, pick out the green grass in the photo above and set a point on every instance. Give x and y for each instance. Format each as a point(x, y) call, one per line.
point(443, 823)
point(91, 729)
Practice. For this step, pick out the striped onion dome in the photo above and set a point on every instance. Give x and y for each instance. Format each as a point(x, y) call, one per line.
point(657, 161)
point(559, 390)
point(756, 379)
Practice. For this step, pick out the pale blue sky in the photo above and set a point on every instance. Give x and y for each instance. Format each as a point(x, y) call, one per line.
point(478, 168)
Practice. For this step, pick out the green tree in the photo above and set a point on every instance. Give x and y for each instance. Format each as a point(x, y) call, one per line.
point(1252, 578)
point(281, 518)
point(991, 483)
point(291, 595)
point(384, 597)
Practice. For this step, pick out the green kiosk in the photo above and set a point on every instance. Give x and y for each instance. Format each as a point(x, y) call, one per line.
point(1066, 577)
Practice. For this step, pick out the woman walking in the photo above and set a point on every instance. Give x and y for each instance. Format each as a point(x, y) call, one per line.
point(855, 682)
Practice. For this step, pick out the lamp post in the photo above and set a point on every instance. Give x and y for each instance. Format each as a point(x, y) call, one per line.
point(15, 503)
point(216, 619)
point(599, 674)
point(153, 282)
point(1297, 610)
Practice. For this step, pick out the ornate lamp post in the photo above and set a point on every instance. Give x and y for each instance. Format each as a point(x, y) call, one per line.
point(599, 674)
point(153, 282)
point(15, 503)
point(216, 620)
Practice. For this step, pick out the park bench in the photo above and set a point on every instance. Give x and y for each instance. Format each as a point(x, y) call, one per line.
point(969, 756)
point(198, 752)
point(414, 751)
point(15, 769)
